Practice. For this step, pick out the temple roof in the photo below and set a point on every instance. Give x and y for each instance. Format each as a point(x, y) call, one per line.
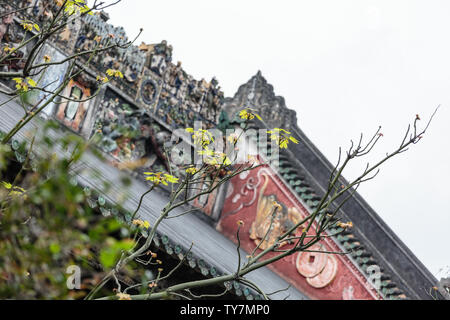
point(161, 90)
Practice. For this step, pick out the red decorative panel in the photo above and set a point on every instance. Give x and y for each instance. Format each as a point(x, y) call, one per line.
point(72, 113)
point(318, 275)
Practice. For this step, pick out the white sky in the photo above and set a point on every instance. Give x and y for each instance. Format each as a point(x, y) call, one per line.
point(345, 67)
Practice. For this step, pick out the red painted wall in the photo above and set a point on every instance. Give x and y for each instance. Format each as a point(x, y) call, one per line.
point(317, 275)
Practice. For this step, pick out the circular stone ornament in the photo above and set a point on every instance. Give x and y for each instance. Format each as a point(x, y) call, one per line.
point(326, 276)
point(149, 90)
point(310, 264)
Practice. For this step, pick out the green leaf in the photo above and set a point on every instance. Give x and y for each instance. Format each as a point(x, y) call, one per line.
point(124, 245)
point(108, 257)
point(7, 185)
point(55, 248)
point(31, 82)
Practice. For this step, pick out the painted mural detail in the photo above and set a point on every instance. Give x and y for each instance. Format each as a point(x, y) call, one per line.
point(234, 193)
point(318, 268)
point(266, 229)
point(316, 273)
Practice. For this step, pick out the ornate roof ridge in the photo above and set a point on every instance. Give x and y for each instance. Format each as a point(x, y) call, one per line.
point(257, 93)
